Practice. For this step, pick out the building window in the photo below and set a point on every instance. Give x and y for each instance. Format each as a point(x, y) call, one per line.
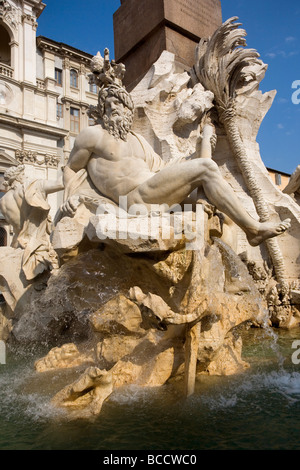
point(2, 187)
point(93, 88)
point(58, 77)
point(278, 179)
point(74, 120)
point(59, 110)
point(3, 237)
point(74, 78)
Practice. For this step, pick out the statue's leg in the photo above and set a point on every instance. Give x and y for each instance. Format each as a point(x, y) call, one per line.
point(174, 183)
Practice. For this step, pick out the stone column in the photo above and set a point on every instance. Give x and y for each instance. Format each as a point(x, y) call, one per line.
point(14, 47)
point(66, 76)
point(29, 41)
point(49, 65)
point(82, 82)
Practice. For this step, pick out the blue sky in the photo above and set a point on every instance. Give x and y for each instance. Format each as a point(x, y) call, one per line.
point(273, 29)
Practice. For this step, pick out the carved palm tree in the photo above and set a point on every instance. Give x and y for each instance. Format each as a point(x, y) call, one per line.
point(224, 67)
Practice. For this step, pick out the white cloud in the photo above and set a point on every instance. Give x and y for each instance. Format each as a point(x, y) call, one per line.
point(290, 39)
point(272, 55)
point(282, 100)
point(281, 53)
point(280, 126)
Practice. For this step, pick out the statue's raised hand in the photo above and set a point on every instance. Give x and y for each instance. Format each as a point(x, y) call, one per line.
point(69, 208)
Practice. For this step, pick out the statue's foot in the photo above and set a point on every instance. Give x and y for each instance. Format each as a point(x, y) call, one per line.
point(268, 230)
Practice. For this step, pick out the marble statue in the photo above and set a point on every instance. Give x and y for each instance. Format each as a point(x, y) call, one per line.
point(293, 186)
point(25, 207)
point(119, 164)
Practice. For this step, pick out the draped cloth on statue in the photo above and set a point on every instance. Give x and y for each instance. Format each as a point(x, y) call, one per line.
point(34, 236)
point(12, 279)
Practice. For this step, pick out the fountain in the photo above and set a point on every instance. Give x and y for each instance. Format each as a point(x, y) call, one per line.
point(171, 240)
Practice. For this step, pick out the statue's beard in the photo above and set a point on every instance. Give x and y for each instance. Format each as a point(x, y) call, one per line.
point(118, 125)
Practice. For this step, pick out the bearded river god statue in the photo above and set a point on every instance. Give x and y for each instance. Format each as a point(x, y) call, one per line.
point(163, 236)
point(110, 160)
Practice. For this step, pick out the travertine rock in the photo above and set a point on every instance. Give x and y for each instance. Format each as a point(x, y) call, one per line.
point(67, 235)
point(61, 358)
point(134, 348)
point(118, 316)
point(167, 111)
point(227, 359)
point(113, 348)
point(174, 266)
point(143, 234)
point(295, 296)
point(5, 325)
point(285, 316)
point(150, 364)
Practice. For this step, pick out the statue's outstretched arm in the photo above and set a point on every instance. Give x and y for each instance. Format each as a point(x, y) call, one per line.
point(204, 150)
point(53, 186)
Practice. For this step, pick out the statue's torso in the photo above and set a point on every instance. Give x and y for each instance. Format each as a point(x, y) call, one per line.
point(117, 167)
point(11, 206)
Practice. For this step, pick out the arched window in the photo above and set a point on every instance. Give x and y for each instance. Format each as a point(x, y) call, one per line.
point(5, 53)
point(74, 78)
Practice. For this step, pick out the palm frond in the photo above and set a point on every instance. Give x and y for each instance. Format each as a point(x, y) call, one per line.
point(222, 59)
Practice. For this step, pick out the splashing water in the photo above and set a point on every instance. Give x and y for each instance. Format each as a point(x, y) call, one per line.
point(257, 409)
point(270, 333)
point(17, 401)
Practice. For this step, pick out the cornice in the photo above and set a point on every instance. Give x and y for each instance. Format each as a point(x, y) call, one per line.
point(39, 88)
point(67, 100)
point(34, 126)
point(63, 50)
point(37, 5)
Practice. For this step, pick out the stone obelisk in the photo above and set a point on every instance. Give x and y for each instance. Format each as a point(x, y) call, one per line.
point(143, 29)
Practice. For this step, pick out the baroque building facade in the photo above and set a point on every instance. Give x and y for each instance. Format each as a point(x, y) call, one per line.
point(44, 97)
